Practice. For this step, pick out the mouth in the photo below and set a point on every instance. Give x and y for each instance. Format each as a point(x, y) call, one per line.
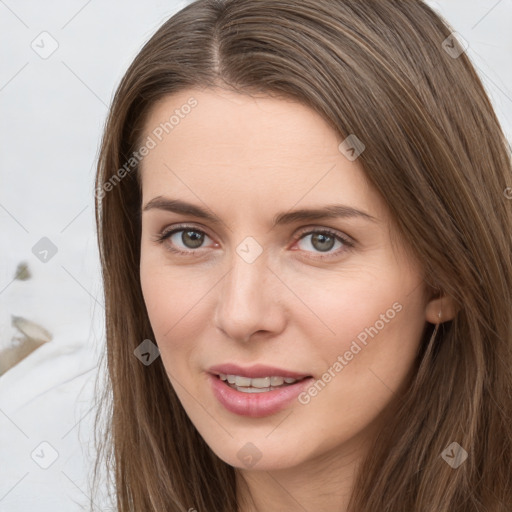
point(256, 391)
point(257, 385)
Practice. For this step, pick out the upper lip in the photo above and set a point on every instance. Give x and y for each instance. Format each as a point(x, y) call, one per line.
point(253, 372)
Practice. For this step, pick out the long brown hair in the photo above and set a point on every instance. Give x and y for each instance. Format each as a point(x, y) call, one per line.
point(382, 70)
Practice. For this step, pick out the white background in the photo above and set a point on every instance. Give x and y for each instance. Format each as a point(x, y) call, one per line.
point(53, 112)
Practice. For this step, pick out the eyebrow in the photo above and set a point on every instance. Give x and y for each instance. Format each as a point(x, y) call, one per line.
point(332, 211)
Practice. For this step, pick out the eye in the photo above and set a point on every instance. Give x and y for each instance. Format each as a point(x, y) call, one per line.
point(186, 239)
point(323, 240)
point(190, 237)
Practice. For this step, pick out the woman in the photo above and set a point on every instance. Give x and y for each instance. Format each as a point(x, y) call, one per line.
point(305, 240)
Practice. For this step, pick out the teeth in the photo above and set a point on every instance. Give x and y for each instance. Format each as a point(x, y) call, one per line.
point(276, 381)
point(256, 385)
point(253, 390)
point(241, 381)
point(260, 382)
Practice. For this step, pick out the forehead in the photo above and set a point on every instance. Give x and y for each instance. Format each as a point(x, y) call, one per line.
point(252, 150)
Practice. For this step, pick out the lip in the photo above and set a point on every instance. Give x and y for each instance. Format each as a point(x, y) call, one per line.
point(255, 371)
point(255, 405)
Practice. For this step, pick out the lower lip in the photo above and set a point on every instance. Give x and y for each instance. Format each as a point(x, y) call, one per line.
point(256, 405)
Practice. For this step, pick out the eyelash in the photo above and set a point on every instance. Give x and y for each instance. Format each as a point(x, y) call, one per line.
point(348, 243)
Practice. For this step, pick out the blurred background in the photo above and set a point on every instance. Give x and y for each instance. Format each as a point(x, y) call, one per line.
point(60, 65)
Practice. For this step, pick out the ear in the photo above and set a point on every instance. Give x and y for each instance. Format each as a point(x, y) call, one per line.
point(440, 309)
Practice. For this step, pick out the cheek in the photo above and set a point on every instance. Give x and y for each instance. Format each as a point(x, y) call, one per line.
point(176, 301)
point(366, 331)
point(371, 355)
point(360, 305)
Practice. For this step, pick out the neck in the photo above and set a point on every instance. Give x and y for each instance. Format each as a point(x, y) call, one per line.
point(324, 483)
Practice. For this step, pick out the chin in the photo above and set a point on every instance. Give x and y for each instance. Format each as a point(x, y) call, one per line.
point(259, 453)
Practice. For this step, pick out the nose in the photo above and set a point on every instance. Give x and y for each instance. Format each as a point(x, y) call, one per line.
point(250, 300)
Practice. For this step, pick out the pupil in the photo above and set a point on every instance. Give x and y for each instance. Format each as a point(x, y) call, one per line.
point(326, 242)
point(197, 239)
point(321, 237)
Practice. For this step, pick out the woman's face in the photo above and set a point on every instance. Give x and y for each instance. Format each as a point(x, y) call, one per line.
point(262, 290)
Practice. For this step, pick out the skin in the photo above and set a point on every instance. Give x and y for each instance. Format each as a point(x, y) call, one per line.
point(247, 159)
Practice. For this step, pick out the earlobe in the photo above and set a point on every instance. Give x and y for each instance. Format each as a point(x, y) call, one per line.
point(440, 309)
